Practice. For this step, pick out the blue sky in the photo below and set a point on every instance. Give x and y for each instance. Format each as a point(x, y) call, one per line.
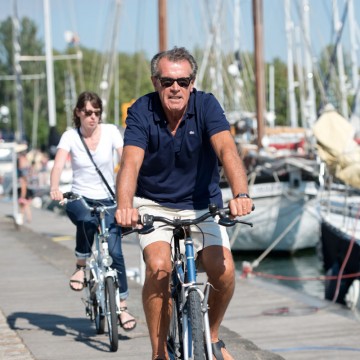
point(188, 23)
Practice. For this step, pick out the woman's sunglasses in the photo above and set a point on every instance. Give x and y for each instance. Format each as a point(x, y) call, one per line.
point(90, 112)
point(167, 82)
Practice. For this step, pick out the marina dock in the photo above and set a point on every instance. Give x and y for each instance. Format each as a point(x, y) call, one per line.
point(42, 319)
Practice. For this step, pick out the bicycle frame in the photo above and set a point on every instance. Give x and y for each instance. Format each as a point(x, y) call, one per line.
point(102, 295)
point(190, 315)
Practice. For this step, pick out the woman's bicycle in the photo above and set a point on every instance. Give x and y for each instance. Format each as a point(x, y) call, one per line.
point(189, 331)
point(101, 281)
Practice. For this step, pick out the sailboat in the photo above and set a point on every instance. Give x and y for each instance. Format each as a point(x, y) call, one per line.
point(281, 178)
point(339, 194)
point(340, 207)
point(286, 214)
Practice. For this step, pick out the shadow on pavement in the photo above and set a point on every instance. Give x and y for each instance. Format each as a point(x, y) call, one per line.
point(81, 329)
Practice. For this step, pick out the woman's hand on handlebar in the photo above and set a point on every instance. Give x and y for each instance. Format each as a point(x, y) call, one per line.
point(56, 194)
point(127, 217)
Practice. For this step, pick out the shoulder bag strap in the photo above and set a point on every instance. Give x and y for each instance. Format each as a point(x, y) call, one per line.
point(97, 169)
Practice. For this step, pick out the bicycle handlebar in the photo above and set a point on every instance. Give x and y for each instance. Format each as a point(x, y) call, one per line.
point(148, 220)
point(70, 196)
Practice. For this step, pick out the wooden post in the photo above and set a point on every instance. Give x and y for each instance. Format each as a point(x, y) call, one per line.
point(259, 68)
point(162, 25)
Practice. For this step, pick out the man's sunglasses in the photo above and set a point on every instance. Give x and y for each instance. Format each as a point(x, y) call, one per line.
point(167, 82)
point(90, 112)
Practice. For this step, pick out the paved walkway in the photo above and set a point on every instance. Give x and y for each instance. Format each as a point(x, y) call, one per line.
point(40, 318)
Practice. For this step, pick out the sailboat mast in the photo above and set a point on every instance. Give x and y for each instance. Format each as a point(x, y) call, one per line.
point(19, 134)
point(338, 25)
point(310, 100)
point(259, 68)
point(162, 25)
point(354, 66)
point(354, 46)
point(49, 66)
point(290, 66)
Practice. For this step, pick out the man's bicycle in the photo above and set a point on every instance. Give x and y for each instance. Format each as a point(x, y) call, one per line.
point(189, 331)
point(101, 281)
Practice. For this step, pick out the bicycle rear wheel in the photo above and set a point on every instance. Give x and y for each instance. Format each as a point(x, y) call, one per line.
point(110, 313)
point(197, 326)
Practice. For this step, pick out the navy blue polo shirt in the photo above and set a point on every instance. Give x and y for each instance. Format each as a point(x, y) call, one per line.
point(180, 171)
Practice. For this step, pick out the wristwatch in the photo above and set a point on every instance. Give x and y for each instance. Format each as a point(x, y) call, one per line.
point(242, 195)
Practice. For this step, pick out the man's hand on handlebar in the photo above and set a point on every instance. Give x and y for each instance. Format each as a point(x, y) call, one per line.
point(241, 206)
point(127, 217)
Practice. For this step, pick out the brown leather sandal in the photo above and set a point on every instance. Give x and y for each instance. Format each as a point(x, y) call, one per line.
point(124, 309)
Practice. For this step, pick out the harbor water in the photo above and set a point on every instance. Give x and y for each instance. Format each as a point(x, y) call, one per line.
point(299, 271)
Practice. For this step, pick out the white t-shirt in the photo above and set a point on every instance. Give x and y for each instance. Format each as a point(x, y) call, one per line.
point(86, 181)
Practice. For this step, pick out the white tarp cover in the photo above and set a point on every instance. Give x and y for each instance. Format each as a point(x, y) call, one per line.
point(337, 147)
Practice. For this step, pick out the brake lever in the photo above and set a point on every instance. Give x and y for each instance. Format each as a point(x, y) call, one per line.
point(147, 229)
point(226, 221)
point(244, 222)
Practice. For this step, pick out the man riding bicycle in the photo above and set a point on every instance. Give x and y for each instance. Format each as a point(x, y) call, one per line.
point(172, 143)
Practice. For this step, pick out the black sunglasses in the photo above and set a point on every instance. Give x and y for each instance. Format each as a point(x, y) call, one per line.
point(90, 112)
point(167, 82)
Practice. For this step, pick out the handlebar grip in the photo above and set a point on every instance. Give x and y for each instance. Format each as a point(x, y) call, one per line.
point(68, 195)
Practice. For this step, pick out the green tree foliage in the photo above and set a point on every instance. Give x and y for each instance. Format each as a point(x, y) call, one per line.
point(29, 45)
point(328, 84)
point(281, 95)
point(132, 78)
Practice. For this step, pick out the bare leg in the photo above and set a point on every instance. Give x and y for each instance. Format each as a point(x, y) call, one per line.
point(219, 266)
point(27, 211)
point(156, 295)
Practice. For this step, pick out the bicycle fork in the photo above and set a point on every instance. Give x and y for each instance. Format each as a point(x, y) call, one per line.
point(187, 337)
point(97, 288)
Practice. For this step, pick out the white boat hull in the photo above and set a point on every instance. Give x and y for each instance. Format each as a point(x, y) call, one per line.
point(285, 219)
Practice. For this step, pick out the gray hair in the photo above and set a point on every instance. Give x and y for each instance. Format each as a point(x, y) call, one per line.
point(176, 54)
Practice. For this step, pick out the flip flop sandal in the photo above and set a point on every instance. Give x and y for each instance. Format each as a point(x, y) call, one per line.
point(78, 268)
point(216, 349)
point(124, 309)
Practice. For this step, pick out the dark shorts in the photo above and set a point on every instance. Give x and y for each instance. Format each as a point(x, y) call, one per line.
point(29, 193)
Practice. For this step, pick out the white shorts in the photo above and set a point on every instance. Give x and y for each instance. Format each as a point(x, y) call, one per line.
point(205, 234)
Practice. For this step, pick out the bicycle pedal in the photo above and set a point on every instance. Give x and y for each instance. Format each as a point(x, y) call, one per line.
point(88, 312)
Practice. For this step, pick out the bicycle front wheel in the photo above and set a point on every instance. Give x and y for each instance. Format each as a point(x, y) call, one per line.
point(197, 326)
point(97, 311)
point(174, 338)
point(110, 313)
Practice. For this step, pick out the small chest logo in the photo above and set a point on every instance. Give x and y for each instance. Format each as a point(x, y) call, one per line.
point(191, 132)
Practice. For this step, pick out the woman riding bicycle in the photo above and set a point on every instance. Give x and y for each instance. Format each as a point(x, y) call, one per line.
point(101, 140)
